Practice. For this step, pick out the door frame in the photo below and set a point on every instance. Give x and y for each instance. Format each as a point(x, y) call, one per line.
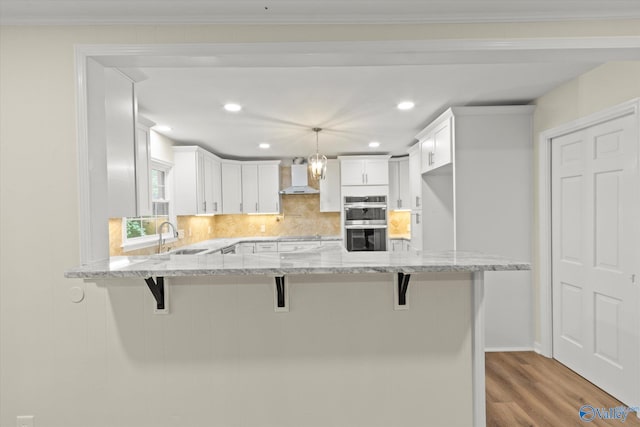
point(544, 250)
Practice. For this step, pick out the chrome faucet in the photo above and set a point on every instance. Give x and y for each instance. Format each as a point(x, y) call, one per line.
point(160, 239)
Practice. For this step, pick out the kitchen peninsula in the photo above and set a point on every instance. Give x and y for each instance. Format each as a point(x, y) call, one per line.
point(349, 351)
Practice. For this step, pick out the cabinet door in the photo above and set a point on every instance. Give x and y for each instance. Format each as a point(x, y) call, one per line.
point(404, 191)
point(250, 188)
point(206, 184)
point(416, 230)
point(120, 125)
point(394, 186)
point(442, 145)
point(216, 186)
point(330, 191)
point(268, 184)
point(143, 171)
point(376, 172)
point(415, 179)
point(231, 188)
point(437, 147)
point(352, 172)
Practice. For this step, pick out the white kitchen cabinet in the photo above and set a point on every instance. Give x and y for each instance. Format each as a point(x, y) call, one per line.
point(249, 188)
point(399, 245)
point(437, 143)
point(266, 247)
point(399, 191)
point(196, 181)
point(261, 187)
point(482, 201)
point(143, 167)
point(120, 125)
point(231, 172)
point(415, 178)
point(330, 188)
point(297, 246)
point(245, 248)
point(364, 170)
point(269, 187)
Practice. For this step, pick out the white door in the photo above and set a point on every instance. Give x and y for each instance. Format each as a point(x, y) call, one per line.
point(595, 217)
point(376, 172)
point(352, 172)
point(269, 188)
point(250, 188)
point(231, 188)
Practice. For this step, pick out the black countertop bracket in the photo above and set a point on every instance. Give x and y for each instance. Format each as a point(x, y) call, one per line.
point(157, 290)
point(403, 285)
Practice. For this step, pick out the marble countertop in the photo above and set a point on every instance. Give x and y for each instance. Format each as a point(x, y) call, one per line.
point(323, 260)
point(217, 244)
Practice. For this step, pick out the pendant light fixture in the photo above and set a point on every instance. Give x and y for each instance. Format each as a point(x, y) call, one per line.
point(318, 162)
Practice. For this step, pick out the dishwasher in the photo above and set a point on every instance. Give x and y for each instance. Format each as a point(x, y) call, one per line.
point(229, 250)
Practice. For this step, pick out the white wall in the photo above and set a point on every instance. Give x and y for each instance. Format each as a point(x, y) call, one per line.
point(602, 87)
point(50, 365)
point(160, 147)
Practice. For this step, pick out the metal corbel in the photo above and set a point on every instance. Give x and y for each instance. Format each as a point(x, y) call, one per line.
point(159, 292)
point(401, 287)
point(281, 295)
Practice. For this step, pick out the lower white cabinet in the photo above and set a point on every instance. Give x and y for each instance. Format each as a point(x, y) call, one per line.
point(246, 248)
point(400, 245)
point(266, 247)
point(297, 246)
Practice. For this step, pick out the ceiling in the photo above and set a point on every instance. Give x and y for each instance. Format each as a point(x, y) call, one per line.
point(306, 11)
point(354, 105)
point(348, 89)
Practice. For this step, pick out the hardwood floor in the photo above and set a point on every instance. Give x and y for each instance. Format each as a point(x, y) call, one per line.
point(526, 389)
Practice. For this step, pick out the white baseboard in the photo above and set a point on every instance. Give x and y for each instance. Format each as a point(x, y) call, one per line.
point(503, 349)
point(537, 347)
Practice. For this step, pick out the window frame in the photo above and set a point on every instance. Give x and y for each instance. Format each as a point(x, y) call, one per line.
point(134, 243)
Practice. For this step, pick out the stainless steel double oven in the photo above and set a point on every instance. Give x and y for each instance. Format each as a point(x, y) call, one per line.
point(365, 223)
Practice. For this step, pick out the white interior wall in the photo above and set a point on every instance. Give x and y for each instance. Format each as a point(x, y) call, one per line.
point(41, 331)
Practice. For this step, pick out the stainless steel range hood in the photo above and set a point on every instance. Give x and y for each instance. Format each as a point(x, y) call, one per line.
point(299, 181)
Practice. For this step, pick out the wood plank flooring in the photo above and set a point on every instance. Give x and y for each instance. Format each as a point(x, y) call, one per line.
point(526, 389)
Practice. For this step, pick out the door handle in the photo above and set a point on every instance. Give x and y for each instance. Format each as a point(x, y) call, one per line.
point(417, 218)
point(205, 205)
point(633, 278)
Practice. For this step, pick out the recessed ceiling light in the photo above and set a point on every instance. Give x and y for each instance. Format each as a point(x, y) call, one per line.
point(264, 145)
point(374, 144)
point(234, 108)
point(162, 128)
point(406, 105)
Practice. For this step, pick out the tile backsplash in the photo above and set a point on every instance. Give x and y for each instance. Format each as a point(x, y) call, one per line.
point(300, 216)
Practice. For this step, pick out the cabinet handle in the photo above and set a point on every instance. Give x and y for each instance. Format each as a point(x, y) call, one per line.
point(215, 206)
point(277, 207)
point(240, 206)
point(417, 201)
point(256, 206)
point(363, 178)
point(205, 205)
point(366, 178)
point(417, 218)
point(399, 203)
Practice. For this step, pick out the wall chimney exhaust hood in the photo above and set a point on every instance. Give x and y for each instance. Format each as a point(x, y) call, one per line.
point(299, 181)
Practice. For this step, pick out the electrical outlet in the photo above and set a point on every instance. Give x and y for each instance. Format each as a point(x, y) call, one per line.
point(209, 229)
point(180, 234)
point(263, 228)
point(190, 232)
point(25, 421)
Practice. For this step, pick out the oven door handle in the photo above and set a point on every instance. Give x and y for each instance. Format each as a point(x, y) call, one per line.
point(364, 226)
point(364, 206)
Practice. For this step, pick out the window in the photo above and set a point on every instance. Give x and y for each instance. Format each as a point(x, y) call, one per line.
point(142, 231)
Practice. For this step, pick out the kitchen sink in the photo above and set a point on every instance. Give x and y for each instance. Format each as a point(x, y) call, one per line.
point(193, 251)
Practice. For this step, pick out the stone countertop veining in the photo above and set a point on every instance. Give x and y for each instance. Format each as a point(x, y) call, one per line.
point(217, 244)
point(326, 260)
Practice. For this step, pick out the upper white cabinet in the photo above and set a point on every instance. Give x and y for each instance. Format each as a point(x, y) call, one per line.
point(364, 170)
point(143, 166)
point(197, 181)
point(231, 186)
point(436, 142)
point(330, 188)
point(119, 127)
point(399, 191)
point(261, 187)
point(415, 178)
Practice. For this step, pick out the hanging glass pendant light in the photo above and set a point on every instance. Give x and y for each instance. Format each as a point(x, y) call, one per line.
point(317, 162)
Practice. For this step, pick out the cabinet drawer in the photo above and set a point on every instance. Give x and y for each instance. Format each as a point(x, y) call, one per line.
point(296, 246)
point(267, 247)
